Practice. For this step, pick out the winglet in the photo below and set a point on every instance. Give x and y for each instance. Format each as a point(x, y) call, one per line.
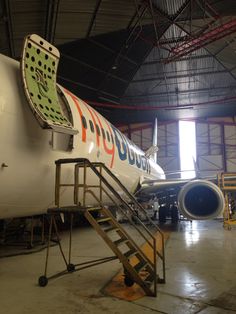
point(151, 151)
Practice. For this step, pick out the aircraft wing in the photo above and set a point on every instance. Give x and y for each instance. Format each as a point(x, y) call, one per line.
point(197, 198)
point(152, 187)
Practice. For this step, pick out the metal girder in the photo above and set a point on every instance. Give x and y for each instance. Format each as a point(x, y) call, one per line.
point(187, 91)
point(127, 43)
point(157, 39)
point(178, 76)
point(211, 54)
point(181, 60)
point(206, 38)
point(51, 19)
point(8, 19)
point(151, 46)
point(189, 34)
point(93, 17)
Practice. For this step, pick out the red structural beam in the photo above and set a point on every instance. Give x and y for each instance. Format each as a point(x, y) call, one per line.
point(160, 107)
point(204, 39)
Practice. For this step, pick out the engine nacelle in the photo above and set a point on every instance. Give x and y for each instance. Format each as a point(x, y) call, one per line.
point(200, 199)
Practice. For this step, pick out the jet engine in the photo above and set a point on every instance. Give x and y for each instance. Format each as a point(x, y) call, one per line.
point(200, 199)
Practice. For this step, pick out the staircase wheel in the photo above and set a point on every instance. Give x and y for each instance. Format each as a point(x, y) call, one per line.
point(162, 214)
point(70, 268)
point(174, 215)
point(128, 281)
point(42, 281)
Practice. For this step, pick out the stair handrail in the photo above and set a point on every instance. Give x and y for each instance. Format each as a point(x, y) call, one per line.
point(93, 166)
point(126, 233)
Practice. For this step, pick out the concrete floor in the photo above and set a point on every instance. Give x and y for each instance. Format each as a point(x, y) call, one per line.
point(201, 276)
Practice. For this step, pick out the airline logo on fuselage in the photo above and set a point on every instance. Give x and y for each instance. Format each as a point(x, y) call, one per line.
point(126, 150)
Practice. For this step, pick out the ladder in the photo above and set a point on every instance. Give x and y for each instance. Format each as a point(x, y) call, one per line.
point(227, 183)
point(94, 182)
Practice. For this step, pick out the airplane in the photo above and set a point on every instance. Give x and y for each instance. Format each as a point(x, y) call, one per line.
point(41, 121)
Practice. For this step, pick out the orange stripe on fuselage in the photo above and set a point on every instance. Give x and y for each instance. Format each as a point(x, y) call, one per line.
point(94, 122)
point(75, 100)
point(107, 150)
point(113, 145)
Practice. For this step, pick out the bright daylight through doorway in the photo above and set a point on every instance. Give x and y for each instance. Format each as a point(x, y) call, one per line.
point(187, 140)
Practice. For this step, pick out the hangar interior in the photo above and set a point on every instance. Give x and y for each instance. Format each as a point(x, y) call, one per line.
point(168, 59)
point(135, 61)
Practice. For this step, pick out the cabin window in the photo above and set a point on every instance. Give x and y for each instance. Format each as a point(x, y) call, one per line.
point(84, 122)
point(103, 133)
point(112, 139)
point(91, 126)
point(108, 136)
point(98, 130)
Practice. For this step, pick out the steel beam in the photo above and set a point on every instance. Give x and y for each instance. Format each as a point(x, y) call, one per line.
point(127, 44)
point(51, 19)
point(93, 17)
point(187, 91)
point(181, 60)
point(206, 38)
point(7, 9)
point(178, 76)
point(224, 155)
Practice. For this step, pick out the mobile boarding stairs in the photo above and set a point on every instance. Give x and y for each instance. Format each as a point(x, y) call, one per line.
point(139, 267)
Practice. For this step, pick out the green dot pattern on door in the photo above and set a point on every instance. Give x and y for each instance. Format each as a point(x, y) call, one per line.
point(39, 66)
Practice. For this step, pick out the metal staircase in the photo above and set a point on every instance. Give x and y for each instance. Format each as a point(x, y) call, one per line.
point(122, 245)
point(93, 184)
point(227, 183)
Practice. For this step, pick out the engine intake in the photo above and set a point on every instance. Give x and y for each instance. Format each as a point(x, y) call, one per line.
point(200, 199)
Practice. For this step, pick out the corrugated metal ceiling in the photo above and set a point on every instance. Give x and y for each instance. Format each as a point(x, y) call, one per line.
point(116, 50)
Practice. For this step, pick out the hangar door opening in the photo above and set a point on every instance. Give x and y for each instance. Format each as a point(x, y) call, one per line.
point(187, 148)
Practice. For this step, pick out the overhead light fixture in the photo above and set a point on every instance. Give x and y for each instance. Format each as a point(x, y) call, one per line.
point(179, 108)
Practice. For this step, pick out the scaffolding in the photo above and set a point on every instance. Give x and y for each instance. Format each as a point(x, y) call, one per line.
point(227, 183)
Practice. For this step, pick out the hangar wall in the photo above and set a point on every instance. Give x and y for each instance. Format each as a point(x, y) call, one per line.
point(215, 144)
point(167, 140)
point(216, 147)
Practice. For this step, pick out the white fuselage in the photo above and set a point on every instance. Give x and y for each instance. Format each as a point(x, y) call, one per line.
point(28, 153)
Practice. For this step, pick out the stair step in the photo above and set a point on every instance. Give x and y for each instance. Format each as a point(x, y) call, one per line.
point(103, 219)
point(150, 278)
point(120, 241)
point(111, 229)
point(140, 266)
point(130, 253)
point(91, 209)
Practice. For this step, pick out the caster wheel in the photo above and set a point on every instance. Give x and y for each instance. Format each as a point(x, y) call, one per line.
point(161, 280)
point(128, 281)
point(70, 268)
point(43, 281)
